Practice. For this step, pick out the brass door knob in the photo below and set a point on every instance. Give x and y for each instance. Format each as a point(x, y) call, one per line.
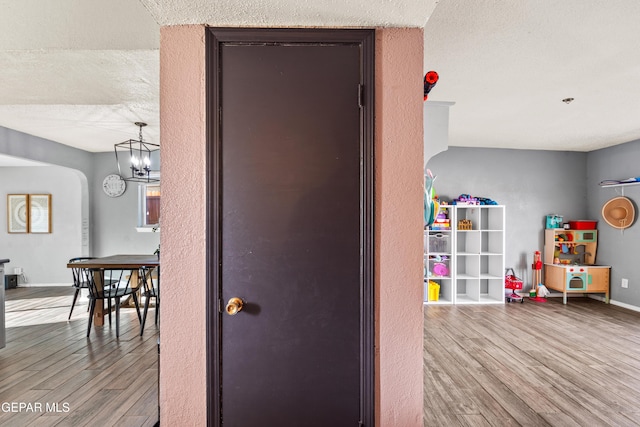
point(234, 305)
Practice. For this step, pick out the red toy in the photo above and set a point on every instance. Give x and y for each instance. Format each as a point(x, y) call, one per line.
point(430, 80)
point(537, 269)
point(512, 282)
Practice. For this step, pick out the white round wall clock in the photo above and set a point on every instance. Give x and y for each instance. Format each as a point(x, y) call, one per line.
point(113, 185)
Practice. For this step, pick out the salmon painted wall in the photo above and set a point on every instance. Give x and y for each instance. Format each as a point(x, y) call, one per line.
point(399, 245)
point(182, 236)
point(398, 227)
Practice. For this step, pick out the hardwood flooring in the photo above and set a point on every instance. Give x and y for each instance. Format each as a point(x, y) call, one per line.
point(532, 364)
point(51, 374)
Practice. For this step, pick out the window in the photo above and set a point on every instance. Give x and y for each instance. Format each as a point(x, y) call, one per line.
point(148, 206)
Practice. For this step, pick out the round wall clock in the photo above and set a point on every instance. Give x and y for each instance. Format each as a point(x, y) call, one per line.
point(113, 185)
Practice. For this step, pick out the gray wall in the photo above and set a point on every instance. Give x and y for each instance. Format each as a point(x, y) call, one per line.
point(31, 147)
point(617, 248)
point(109, 223)
point(115, 218)
point(531, 185)
point(43, 256)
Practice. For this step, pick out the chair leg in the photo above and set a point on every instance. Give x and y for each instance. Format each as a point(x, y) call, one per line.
point(135, 301)
point(117, 317)
point(109, 309)
point(144, 315)
point(75, 298)
point(93, 307)
point(157, 309)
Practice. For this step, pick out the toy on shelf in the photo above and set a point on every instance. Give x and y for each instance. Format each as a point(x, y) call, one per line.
point(439, 266)
point(434, 290)
point(465, 224)
point(614, 182)
point(465, 199)
point(442, 221)
point(440, 269)
point(554, 221)
point(431, 205)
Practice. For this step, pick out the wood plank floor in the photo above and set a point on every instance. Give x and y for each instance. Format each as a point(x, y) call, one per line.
point(64, 378)
point(532, 364)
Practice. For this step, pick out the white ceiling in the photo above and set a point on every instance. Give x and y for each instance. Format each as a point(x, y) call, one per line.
point(508, 65)
point(81, 72)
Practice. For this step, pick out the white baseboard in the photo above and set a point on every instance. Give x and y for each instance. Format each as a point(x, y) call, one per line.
point(592, 296)
point(600, 298)
point(621, 304)
point(42, 285)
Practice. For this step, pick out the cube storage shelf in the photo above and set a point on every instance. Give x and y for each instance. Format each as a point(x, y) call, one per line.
point(473, 260)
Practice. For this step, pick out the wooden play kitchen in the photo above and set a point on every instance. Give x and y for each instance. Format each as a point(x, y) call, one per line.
point(569, 260)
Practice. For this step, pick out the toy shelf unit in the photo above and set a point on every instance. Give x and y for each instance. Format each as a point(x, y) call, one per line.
point(473, 256)
point(437, 266)
point(479, 254)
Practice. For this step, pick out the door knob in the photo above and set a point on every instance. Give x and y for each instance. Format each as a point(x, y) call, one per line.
point(234, 305)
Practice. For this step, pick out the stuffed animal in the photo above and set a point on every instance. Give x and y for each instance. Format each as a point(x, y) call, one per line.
point(431, 205)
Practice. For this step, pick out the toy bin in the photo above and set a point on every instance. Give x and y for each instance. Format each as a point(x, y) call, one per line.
point(439, 267)
point(439, 243)
point(583, 225)
point(434, 291)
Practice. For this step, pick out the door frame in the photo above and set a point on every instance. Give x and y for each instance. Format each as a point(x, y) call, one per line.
point(214, 304)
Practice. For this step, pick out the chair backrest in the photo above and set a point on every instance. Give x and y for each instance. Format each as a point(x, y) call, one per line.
point(75, 271)
point(148, 279)
point(106, 283)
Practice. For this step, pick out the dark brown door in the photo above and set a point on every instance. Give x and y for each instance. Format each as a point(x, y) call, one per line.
point(291, 227)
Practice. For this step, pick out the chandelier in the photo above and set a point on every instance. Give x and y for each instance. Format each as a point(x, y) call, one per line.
point(140, 158)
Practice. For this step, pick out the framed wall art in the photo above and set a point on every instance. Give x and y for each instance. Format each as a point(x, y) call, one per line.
point(39, 213)
point(18, 213)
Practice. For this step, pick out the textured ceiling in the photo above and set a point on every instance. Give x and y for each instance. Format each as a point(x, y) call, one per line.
point(81, 72)
point(508, 65)
point(293, 13)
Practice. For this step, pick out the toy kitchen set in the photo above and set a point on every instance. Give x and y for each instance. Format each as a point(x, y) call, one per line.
point(569, 258)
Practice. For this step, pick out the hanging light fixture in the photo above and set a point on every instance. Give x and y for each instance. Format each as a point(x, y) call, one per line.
point(140, 160)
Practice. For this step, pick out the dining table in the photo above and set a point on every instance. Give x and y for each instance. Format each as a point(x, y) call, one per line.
point(124, 262)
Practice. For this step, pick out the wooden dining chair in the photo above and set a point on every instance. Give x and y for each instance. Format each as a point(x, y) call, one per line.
point(78, 282)
point(118, 284)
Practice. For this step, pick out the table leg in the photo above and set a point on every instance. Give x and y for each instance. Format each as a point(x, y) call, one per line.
point(98, 314)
